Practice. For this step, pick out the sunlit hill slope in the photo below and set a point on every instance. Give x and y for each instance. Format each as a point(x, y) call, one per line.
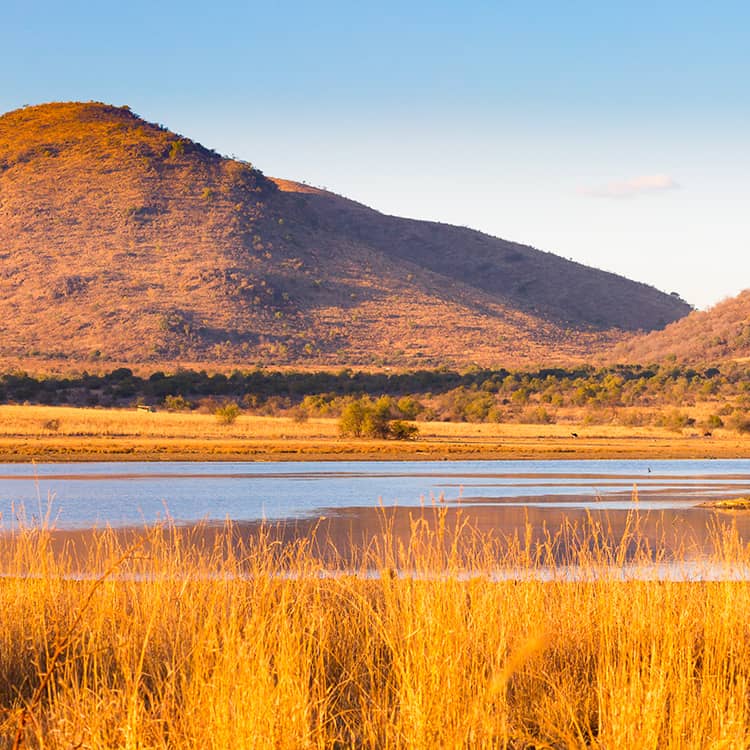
point(716, 335)
point(122, 241)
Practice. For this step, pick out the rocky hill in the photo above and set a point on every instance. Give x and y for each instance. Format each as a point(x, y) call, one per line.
point(121, 241)
point(720, 334)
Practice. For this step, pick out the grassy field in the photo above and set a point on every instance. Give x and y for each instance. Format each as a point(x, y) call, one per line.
point(195, 641)
point(67, 433)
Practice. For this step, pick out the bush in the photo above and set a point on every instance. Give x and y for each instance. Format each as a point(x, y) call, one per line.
point(177, 403)
point(176, 148)
point(299, 414)
point(400, 430)
point(675, 420)
point(478, 407)
point(363, 418)
point(227, 413)
point(409, 407)
point(538, 415)
point(740, 421)
point(352, 418)
point(376, 422)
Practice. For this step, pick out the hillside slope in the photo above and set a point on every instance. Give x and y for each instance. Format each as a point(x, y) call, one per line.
point(717, 335)
point(122, 241)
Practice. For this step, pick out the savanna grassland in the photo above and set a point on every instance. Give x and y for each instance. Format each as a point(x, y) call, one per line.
point(639, 412)
point(124, 243)
point(436, 640)
point(50, 433)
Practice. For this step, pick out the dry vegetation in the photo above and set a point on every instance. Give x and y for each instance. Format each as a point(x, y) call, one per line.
point(734, 503)
point(241, 642)
point(74, 434)
point(122, 241)
point(719, 334)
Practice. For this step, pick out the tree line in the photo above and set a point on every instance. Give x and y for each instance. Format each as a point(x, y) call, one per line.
point(474, 395)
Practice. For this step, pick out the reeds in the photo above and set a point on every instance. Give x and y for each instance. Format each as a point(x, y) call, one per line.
point(205, 638)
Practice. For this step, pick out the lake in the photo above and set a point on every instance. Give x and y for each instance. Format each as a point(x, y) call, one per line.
point(122, 494)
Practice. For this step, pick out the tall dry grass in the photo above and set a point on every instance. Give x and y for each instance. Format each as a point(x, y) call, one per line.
point(68, 421)
point(197, 640)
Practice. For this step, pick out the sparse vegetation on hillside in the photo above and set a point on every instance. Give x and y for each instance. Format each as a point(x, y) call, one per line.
point(121, 241)
point(719, 334)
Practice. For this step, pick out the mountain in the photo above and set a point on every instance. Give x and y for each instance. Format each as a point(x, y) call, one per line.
point(720, 334)
point(123, 241)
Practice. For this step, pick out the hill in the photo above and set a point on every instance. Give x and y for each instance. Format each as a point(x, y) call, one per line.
point(124, 242)
point(717, 335)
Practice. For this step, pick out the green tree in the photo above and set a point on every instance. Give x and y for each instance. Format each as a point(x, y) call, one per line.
point(377, 417)
point(351, 421)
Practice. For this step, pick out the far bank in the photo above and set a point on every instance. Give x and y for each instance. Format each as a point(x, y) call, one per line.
point(46, 433)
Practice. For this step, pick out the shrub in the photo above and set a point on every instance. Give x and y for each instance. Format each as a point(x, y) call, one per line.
point(176, 148)
point(633, 418)
point(495, 414)
point(400, 430)
point(675, 420)
point(299, 414)
point(227, 413)
point(409, 407)
point(538, 415)
point(275, 406)
point(363, 418)
point(478, 407)
point(352, 418)
point(376, 422)
point(176, 403)
point(740, 421)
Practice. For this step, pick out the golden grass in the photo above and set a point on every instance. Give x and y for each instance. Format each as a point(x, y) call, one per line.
point(68, 433)
point(39, 421)
point(252, 644)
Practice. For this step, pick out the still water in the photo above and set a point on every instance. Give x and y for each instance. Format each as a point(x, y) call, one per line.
point(496, 492)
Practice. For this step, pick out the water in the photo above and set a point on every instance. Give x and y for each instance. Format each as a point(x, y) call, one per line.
point(501, 494)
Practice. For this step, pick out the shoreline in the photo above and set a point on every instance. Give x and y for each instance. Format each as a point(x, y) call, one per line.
point(511, 447)
point(341, 541)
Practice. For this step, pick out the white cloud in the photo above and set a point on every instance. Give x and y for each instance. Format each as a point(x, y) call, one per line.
point(641, 185)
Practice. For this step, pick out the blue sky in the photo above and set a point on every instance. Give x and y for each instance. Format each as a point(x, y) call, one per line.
point(613, 133)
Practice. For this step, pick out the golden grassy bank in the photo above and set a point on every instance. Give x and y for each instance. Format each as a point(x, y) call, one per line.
point(59, 433)
point(191, 641)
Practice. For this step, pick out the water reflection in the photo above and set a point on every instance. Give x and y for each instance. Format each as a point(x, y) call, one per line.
point(499, 496)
